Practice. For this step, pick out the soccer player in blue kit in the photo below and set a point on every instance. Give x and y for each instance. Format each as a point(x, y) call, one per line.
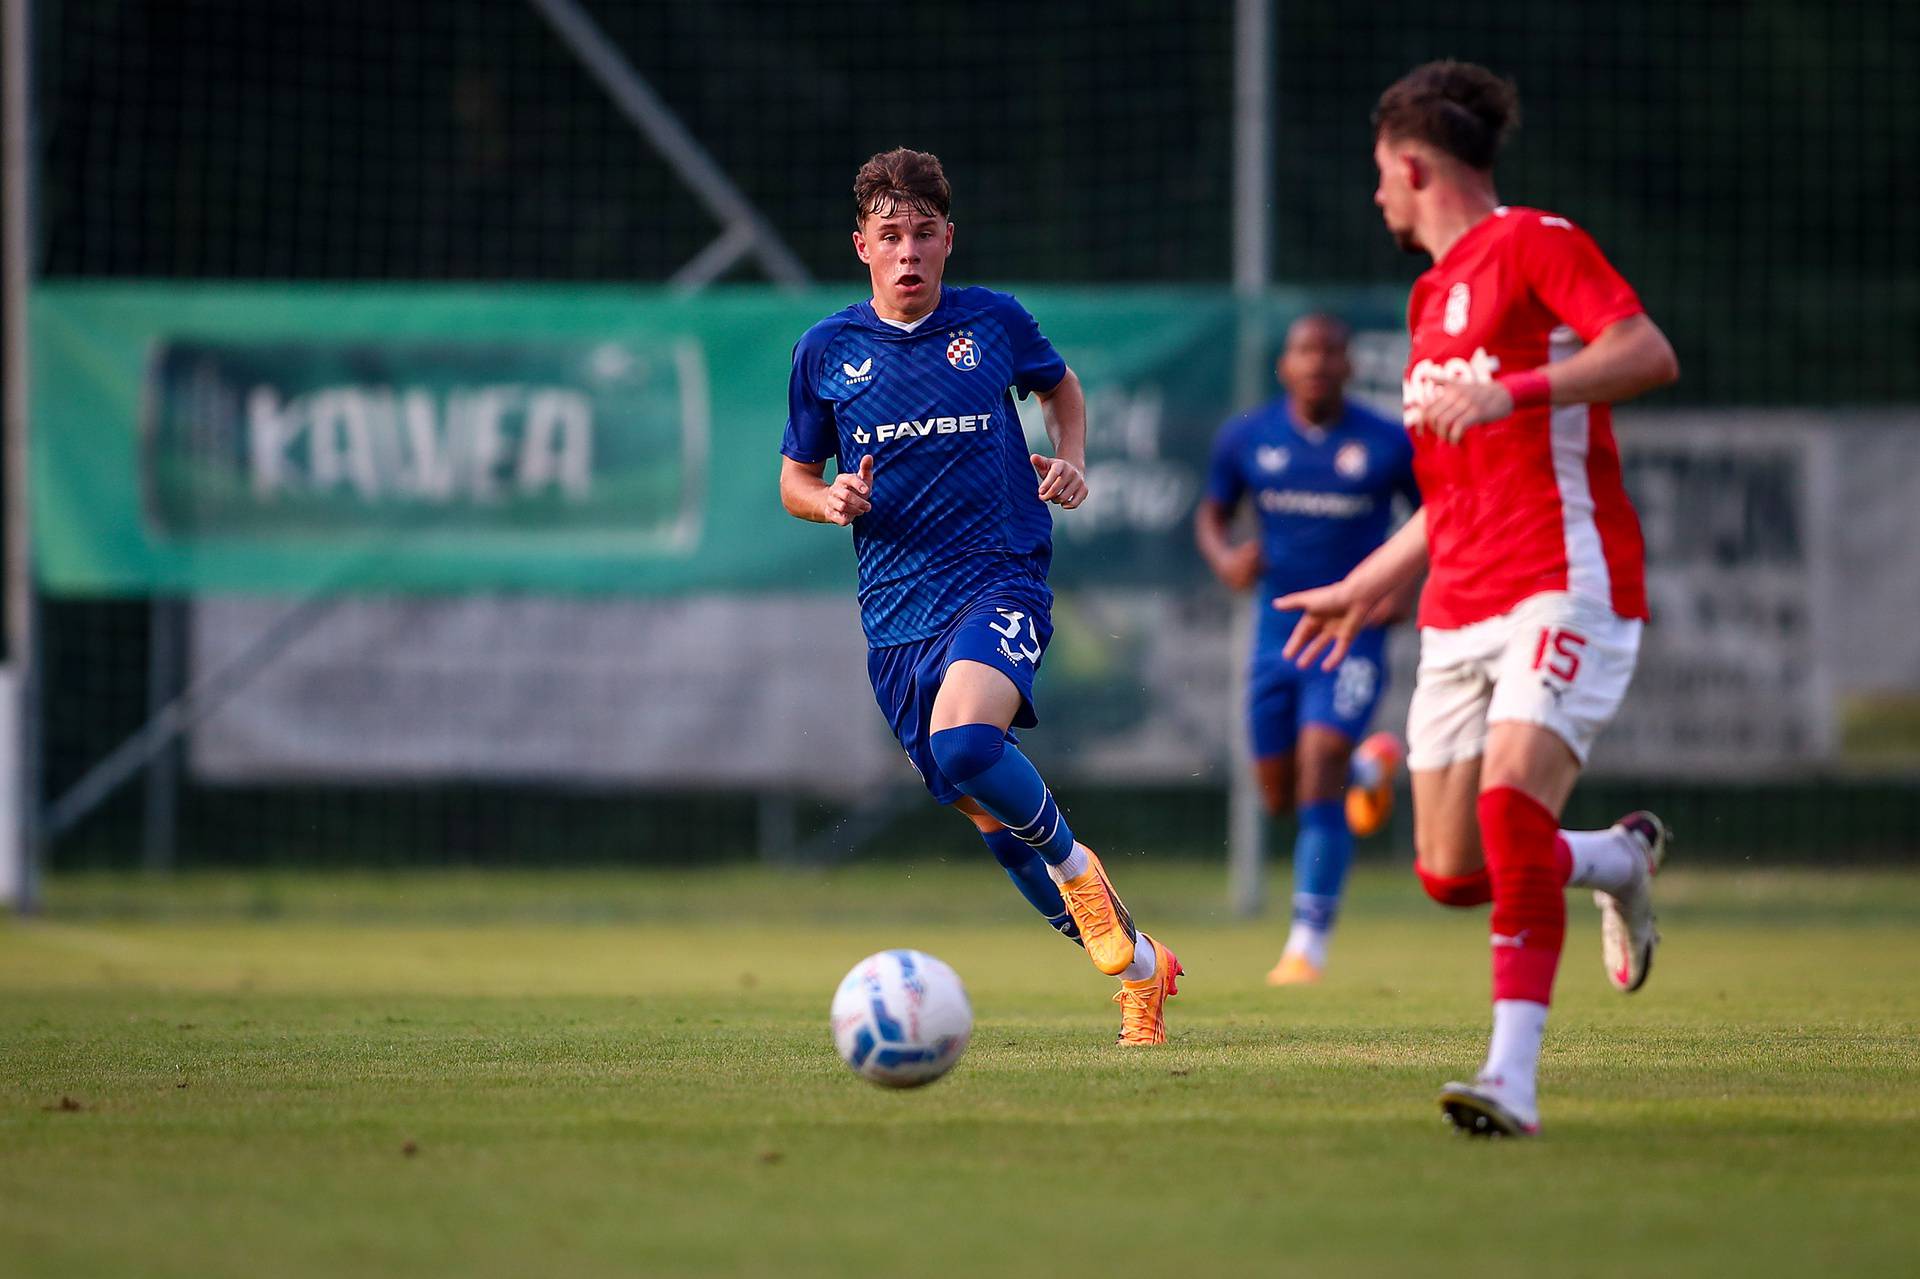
point(908, 393)
point(1321, 472)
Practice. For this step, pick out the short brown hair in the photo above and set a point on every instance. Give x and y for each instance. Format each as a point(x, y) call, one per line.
point(1465, 110)
point(900, 178)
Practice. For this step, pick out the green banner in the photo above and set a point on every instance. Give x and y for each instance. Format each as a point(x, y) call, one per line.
point(282, 438)
point(271, 439)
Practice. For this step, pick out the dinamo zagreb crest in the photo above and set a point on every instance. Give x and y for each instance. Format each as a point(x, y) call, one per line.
point(962, 353)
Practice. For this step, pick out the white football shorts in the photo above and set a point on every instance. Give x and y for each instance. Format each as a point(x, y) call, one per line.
point(1562, 661)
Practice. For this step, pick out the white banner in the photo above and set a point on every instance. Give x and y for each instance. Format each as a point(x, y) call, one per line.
point(1734, 677)
point(1783, 572)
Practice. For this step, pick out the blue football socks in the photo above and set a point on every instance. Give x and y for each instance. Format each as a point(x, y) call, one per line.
point(988, 768)
point(1322, 851)
point(1029, 874)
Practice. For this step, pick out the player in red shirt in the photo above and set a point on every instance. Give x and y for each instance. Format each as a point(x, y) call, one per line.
point(1523, 334)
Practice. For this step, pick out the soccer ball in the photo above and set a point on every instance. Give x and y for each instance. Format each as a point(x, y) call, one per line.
point(901, 1018)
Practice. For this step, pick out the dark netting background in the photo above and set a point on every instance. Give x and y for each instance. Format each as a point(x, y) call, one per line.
point(415, 140)
point(1748, 164)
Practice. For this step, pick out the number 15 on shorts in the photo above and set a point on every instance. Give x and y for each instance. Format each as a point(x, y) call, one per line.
point(1558, 653)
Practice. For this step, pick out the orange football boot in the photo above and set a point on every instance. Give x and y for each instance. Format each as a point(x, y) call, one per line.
point(1368, 807)
point(1143, 1003)
point(1105, 926)
point(1294, 969)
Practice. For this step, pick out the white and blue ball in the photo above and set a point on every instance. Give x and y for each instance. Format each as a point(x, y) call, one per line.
point(901, 1018)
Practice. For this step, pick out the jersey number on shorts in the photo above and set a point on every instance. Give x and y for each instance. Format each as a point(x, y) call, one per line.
point(1011, 631)
point(1558, 653)
point(1354, 687)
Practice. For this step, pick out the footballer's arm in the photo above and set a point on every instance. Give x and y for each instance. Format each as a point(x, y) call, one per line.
point(1333, 615)
point(1238, 565)
point(1063, 477)
point(1398, 604)
point(1628, 358)
point(806, 494)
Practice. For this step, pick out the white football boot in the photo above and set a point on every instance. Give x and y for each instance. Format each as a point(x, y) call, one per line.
point(1490, 1107)
point(1627, 934)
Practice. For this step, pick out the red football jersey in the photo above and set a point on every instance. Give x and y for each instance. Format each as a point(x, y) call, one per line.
point(1533, 502)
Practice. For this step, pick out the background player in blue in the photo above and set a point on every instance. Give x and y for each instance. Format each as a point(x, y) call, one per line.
point(908, 393)
point(1321, 472)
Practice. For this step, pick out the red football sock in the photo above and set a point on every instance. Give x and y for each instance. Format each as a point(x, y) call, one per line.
point(1456, 890)
point(1529, 871)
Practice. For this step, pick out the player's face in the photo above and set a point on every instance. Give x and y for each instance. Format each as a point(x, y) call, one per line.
point(906, 254)
point(1395, 194)
point(1314, 366)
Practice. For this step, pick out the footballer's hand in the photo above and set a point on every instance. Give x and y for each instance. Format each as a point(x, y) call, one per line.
point(850, 495)
point(1061, 481)
point(1458, 405)
point(1330, 617)
point(1240, 567)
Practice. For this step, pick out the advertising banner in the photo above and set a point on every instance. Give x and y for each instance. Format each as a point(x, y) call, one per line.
point(254, 439)
point(1743, 671)
point(305, 440)
point(549, 523)
point(1734, 677)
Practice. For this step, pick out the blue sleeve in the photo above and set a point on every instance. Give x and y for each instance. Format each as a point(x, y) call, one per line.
point(1226, 482)
point(810, 436)
point(1036, 365)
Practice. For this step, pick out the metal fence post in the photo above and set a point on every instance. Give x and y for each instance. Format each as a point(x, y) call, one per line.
point(1252, 272)
point(20, 834)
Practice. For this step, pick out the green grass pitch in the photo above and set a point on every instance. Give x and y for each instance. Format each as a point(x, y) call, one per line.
point(587, 1075)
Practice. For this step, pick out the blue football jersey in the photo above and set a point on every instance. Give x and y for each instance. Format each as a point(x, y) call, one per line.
point(956, 504)
point(1324, 496)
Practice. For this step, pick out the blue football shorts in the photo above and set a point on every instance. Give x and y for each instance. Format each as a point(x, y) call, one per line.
point(1282, 698)
point(1007, 627)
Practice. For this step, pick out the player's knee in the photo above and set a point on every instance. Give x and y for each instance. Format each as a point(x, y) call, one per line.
point(1449, 864)
point(988, 825)
point(965, 752)
point(1275, 777)
point(1324, 765)
point(1319, 790)
point(1443, 853)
